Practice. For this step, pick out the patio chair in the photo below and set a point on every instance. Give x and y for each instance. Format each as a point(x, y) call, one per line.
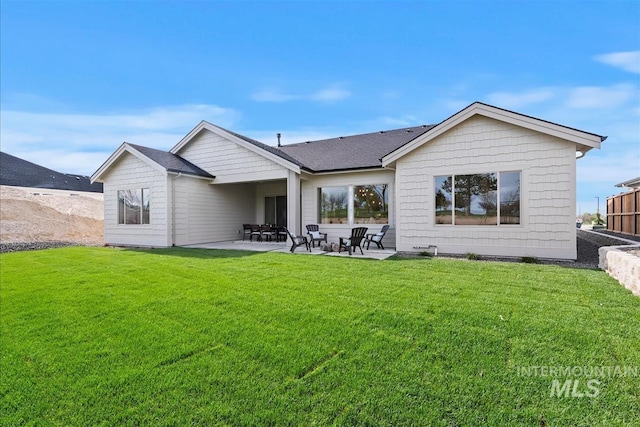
point(246, 231)
point(267, 233)
point(377, 238)
point(313, 230)
point(355, 241)
point(297, 241)
point(255, 231)
point(281, 234)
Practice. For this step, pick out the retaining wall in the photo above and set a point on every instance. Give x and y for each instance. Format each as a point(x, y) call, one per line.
point(622, 266)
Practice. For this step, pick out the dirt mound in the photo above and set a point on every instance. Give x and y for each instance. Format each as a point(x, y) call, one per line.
point(26, 216)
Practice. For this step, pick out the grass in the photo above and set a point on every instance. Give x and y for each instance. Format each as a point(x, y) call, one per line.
point(102, 336)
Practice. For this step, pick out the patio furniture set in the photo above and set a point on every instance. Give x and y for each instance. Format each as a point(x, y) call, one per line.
point(359, 236)
point(264, 233)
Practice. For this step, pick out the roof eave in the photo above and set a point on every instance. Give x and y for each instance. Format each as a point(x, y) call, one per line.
point(204, 125)
point(583, 140)
point(124, 147)
point(191, 175)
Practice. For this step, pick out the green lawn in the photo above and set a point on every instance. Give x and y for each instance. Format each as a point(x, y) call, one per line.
point(103, 336)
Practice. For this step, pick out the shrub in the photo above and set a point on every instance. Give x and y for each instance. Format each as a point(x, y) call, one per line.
point(472, 256)
point(530, 260)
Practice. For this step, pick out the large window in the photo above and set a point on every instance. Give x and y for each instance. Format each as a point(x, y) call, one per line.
point(333, 205)
point(370, 204)
point(134, 206)
point(479, 199)
point(354, 204)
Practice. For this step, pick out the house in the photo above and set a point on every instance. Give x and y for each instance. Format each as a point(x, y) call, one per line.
point(485, 180)
point(17, 172)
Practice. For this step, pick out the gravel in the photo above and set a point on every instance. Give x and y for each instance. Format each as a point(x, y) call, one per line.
point(590, 242)
point(33, 246)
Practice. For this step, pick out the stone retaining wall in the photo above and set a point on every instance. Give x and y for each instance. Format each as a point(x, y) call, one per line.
point(622, 266)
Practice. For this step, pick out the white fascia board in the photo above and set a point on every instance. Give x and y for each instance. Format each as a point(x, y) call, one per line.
point(584, 141)
point(574, 135)
point(124, 148)
point(203, 125)
point(188, 175)
point(346, 171)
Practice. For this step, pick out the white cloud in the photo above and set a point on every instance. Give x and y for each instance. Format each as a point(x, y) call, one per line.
point(79, 143)
point(272, 95)
point(329, 94)
point(601, 96)
point(627, 61)
point(519, 100)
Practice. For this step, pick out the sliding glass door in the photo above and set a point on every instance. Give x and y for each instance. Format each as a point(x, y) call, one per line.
point(275, 210)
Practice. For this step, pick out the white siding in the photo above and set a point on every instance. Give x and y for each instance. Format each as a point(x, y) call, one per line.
point(228, 161)
point(335, 231)
point(130, 173)
point(210, 213)
point(482, 145)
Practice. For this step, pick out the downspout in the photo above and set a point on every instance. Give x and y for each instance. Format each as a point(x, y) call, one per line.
point(173, 208)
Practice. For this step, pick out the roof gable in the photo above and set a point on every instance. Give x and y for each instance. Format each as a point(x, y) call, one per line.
point(267, 151)
point(584, 141)
point(162, 161)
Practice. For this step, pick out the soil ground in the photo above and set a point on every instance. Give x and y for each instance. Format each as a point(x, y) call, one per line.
point(35, 215)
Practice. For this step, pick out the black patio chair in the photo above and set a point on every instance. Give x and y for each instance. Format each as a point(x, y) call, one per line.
point(355, 241)
point(281, 234)
point(267, 233)
point(255, 231)
point(377, 238)
point(297, 241)
point(246, 231)
point(313, 230)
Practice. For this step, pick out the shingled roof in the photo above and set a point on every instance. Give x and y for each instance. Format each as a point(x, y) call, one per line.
point(17, 172)
point(269, 148)
point(171, 162)
point(362, 151)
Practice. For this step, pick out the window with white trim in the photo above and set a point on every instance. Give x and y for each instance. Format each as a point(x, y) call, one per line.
point(354, 204)
point(478, 199)
point(134, 206)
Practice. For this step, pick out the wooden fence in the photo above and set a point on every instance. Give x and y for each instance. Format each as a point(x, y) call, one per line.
point(623, 212)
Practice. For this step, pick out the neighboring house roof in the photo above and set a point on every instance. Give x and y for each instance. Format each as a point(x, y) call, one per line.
point(172, 162)
point(362, 151)
point(17, 172)
point(632, 183)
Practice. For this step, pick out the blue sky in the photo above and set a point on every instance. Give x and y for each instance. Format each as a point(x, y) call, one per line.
point(80, 77)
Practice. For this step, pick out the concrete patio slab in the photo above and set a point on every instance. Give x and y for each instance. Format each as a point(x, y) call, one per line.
point(240, 245)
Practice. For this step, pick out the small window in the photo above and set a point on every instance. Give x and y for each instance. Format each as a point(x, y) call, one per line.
point(444, 210)
point(134, 206)
point(509, 197)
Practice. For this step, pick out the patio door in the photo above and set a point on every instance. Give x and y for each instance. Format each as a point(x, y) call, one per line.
point(275, 210)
